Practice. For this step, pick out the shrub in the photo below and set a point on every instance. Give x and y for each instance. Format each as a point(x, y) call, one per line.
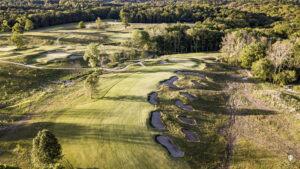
point(81, 25)
point(4, 166)
point(285, 77)
point(252, 53)
point(262, 69)
point(46, 151)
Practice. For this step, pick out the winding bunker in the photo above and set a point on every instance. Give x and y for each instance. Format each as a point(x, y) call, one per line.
point(179, 104)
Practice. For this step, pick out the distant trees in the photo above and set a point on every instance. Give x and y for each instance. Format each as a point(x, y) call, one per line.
point(5, 27)
point(46, 151)
point(81, 25)
point(274, 62)
point(28, 25)
point(94, 56)
point(17, 28)
point(16, 39)
point(125, 17)
point(176, 38)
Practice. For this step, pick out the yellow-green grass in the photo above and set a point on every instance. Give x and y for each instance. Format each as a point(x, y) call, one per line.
point(111, 131)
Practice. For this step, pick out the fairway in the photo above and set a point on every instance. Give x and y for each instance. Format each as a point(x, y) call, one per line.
point(113, 131)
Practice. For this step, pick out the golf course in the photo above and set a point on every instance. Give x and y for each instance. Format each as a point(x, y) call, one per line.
point(173, 111)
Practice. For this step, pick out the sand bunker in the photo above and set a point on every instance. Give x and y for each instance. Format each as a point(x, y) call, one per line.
point(173, 149)
point(187, 120)
point(75, 57)
point(179, 104)
point(189, 96)
point(153, 98)
point(162, 62)
point(191, 73)
point(156, 121)
point(190, 135)
point(198, 84)
point(46, 88)
point(170, 82)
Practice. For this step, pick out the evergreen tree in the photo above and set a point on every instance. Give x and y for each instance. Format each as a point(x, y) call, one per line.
point(46, 151)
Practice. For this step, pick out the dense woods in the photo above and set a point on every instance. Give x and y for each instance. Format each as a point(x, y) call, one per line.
point(237, 27)
point(224, 17)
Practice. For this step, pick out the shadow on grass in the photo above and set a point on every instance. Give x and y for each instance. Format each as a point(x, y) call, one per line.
point(126, 98)
point(254, 112)
point(110, 133)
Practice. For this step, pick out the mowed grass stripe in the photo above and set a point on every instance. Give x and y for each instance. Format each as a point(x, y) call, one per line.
point(113, 131)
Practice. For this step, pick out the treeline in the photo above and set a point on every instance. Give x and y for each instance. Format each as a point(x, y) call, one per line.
point(178, 38)
point(224, 17)
point(277, 60)
point(193, 13)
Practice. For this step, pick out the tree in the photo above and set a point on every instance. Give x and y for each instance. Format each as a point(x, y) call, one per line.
point(92, 55)
point(16, 39)
point(17, 28)
point(262, 69)
point(280, 53)
point(81, 25)
point(91, 84)
point(252, 53)
point(5, 26)
point(46, 151)
point(98, 23)
point(140, 38)
point(28, 25)
point(125, 18)
point(284, 77)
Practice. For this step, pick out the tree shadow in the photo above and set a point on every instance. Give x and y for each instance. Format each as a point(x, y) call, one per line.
point(126, 98)
point(254, 112)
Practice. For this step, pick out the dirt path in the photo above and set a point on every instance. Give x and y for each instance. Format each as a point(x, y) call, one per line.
point(57, 40)
point(71, 68)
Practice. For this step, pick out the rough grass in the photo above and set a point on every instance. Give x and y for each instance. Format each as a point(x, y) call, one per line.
point(113, 130)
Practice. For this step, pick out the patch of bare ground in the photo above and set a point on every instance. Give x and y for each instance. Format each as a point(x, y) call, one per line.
point(179, 104)
point(190, 135)
point(171, 147)
point(189, 96)
point(187, 120)
point(156, 121)
point(162, 62)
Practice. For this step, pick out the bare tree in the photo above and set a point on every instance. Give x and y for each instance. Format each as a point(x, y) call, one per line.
point(280, 54)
